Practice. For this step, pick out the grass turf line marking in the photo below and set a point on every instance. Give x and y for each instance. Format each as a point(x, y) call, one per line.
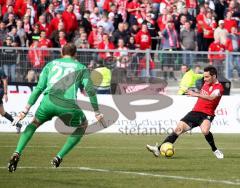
point(227, 182)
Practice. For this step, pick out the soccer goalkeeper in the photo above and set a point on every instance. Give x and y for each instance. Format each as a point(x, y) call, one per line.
point(59, 82)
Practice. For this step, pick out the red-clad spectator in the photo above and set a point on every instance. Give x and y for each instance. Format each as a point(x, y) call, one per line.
point(62, 39)
point(44, 42)
point(162, 20)
point(132, 8)
point(142, 67)
point(191, 5)
point(143, 38)
point(200, 19)
point(9, 11)
point(53, 26)
point(95, 36)
point(105, 45)
point(209, 25)
point(35, 55)
point(229, 22)
point(70, 21)
point(107, 5)
point(76, 9)
point(43, 26)
point(217, 59)
point(21, 7)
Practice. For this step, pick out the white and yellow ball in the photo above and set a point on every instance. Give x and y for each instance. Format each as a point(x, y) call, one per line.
point(167, 149)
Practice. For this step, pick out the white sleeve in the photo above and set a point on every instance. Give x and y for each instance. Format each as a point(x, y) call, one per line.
point(216, 93)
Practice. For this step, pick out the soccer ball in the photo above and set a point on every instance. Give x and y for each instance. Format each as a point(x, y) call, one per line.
point(167, 149)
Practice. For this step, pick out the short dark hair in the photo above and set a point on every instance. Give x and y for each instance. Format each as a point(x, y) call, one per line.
point(211, 69)
point(69, 49)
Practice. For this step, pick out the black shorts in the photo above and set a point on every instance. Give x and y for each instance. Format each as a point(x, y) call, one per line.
point(195, 119)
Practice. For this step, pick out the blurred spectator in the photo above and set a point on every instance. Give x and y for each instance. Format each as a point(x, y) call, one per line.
point(200, 20)
point(120, 33)
point(221, 33)
point(143, 38)
point(142, 68)
point(21, 33)
point(76, 9)
point(78, 32)
point(61, 39)
point(189, 79)
point(133, 30)
point(31, 77)
point(95, 37)
point(117, 18)
point(220, 8)
point(82, 41)
point(35, 55)
point(70, 22)
point(233, 45)
point(209, 25)
point(169, 43)
point(43, 26)
point(28, 30)
point(86, 22)
point(133, 9)
point(188, 41)
point(107, 25)
point(4, 6)
point(3, 32)
point(49, 13)
point(42, 7)
point(105, 45)
point(44, 42)
point(9, 59)
point(35, 33)
point(191, 5)
point(9, 11)
point(229, 22)
point(15, 38)
point(10, 22)
point(55, 34)
point(95, 16)
point(216, 59)
point(121, 54)
point(53, 26)
point(89, 5)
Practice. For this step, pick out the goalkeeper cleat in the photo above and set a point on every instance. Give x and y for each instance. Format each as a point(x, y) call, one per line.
point(18, 127)
point(12, 165)
point(56, 161)
point(154, 149)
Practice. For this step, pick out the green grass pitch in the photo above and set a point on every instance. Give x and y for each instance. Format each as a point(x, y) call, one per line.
point(115, 160)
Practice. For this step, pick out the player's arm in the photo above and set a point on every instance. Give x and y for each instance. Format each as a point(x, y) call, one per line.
point(216, 93)
point(41, 86)
point(88, 87)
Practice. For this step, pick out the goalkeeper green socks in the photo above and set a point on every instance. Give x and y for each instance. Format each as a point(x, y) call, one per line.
point(72, 140)
point(25, 137)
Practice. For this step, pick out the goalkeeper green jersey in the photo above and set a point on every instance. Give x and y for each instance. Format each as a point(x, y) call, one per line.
point(61, 79)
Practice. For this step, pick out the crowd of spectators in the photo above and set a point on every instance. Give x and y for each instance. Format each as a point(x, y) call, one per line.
point(187, 25)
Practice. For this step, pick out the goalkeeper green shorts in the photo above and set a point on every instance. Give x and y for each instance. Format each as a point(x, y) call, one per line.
point(67, 111)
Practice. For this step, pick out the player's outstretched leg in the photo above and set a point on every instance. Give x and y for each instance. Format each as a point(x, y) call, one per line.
point(181, 128)
point(12, 165)
point(72, 140)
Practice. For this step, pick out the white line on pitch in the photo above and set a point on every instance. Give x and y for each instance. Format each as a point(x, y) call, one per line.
point(227, 182)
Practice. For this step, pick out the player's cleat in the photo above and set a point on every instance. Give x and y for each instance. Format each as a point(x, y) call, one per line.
point(12, 165)
point(18, 127)
point(154, 149)
point(56, 161)
point(218, 154)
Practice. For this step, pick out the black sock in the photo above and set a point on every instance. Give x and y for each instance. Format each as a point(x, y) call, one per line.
point(8, 116)
point(210, 140)
point(170, 138)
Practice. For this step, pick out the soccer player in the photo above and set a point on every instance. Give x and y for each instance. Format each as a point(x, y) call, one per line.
point(202, 114)
point(3, 94)
point(59, 82)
